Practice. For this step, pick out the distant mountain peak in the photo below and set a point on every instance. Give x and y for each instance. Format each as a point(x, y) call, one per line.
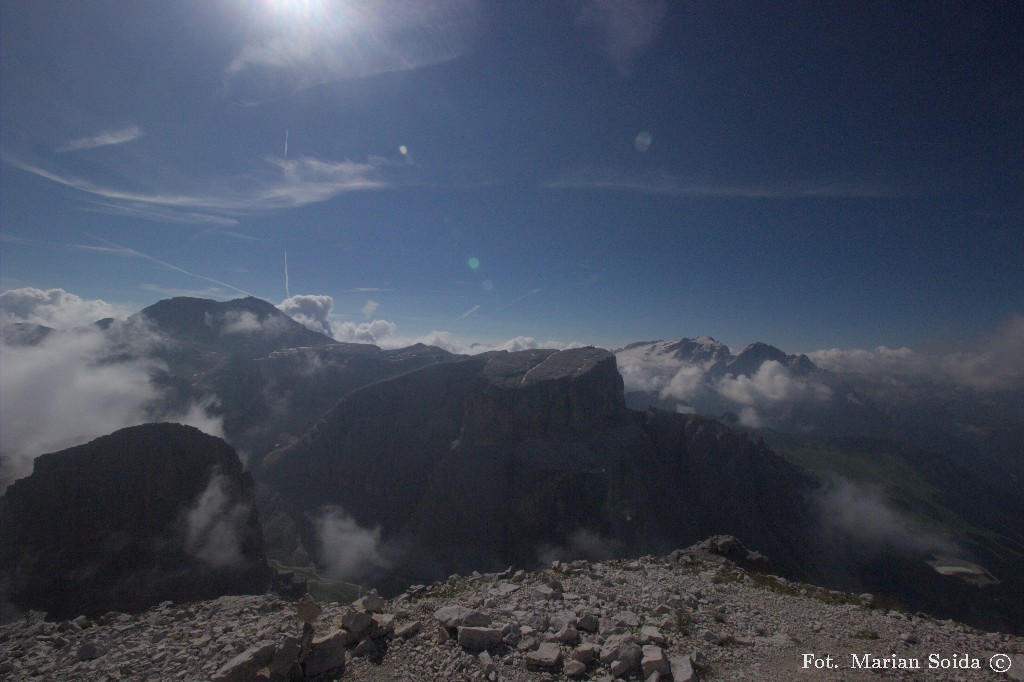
point(245, 325)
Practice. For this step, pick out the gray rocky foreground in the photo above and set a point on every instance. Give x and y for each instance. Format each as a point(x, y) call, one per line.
point(671, 618)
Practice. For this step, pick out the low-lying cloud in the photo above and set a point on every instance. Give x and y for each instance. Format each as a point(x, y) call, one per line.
point(377, 332)
point(79, 384)
point(996, 364)
point(856, 383)
point(54, 308)
point(346, 550)
point(582, 544)
point(771, 383)
point(215, 525)
point(519, 343)
point(315, 312)
point(861, 512)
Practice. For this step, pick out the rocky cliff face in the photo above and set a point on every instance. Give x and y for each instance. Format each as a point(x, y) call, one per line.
point(497, 458)
point(148, 513)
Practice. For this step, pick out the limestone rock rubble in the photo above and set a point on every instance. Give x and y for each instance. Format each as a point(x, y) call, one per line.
point(678, 617)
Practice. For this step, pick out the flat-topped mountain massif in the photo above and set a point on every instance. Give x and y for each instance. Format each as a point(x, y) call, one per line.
point(399, 467)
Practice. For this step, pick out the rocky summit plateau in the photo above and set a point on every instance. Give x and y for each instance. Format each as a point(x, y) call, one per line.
point(691, 615)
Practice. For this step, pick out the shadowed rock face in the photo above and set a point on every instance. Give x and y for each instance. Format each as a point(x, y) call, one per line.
point(485, 460)
point(146, 514)
point(543, 394)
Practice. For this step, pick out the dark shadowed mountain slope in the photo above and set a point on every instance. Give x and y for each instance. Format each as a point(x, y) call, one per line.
point(146, 514)
point(486, 460)
point(503, 458)
point(266, 376)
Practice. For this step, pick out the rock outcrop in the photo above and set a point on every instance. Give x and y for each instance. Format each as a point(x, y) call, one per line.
point(147, 514)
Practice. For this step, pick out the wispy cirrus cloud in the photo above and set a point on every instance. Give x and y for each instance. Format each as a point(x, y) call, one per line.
point(522, 297)
point(670, 184)
point(114, 248)
point(103, 139)
point(309, 180)
point(160, 214)
point(471, 311)
point(281, 184)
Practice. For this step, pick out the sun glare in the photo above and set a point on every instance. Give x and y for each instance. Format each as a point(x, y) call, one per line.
point(298, 10)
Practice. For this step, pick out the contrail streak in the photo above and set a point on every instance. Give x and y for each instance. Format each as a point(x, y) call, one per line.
point(126, 251)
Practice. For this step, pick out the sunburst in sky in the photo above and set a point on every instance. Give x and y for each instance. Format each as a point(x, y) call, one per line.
point(599, 172)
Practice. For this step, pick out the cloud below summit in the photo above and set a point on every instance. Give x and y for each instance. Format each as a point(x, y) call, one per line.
point(996, 363)
point(54, 308)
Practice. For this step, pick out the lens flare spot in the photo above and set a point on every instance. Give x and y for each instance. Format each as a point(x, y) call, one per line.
point(403, 150)
point(473, 263)
point(487, 285)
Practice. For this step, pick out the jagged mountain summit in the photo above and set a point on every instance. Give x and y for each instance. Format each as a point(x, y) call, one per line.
point(761, 386)
point(751, 358)
point(715, 356)
point(701, 350)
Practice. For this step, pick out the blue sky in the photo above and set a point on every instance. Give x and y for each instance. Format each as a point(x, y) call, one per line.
point(811, 175)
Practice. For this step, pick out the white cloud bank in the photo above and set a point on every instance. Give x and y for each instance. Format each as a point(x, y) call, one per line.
point(54, 308)
point(997, 363)
point(771, 383)
point(77, 384)
point(315, 310)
